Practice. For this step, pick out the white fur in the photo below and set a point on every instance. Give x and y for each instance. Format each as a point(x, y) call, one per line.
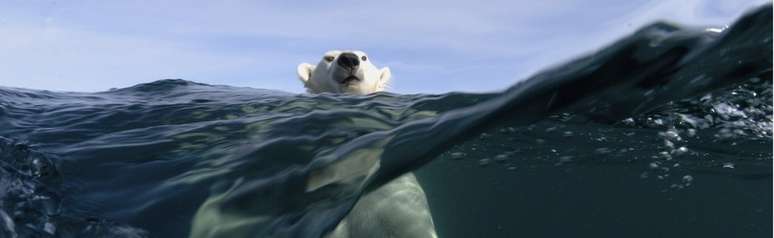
point(398, 209)
point(321, 78)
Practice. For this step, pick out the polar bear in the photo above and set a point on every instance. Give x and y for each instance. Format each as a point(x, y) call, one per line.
point(398, 208)
point(344, 72)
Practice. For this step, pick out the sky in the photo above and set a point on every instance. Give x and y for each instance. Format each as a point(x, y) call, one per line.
point(431, 46)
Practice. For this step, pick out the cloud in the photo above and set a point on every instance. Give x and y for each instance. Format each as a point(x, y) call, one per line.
point(431, 46)
point(67, 59)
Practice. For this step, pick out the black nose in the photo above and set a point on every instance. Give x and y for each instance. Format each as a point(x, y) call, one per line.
point(348, 61)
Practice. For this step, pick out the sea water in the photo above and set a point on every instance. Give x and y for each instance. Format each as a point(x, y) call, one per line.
point(664, 133)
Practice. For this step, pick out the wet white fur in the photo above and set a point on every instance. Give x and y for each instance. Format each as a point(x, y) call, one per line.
point(320, 78)
point(398, 209)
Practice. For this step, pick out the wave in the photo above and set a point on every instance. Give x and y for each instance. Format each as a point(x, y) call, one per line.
point(175, 158)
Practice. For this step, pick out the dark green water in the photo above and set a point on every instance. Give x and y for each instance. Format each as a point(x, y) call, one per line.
point(665, 133)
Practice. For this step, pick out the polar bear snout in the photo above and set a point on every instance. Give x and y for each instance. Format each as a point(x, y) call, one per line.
point(347, 80)
point(348, 61)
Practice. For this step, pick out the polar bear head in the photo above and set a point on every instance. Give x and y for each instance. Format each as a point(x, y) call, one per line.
point(344, 72)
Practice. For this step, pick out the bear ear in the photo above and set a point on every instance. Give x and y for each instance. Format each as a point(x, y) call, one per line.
point(304, 71)
point(384, 78)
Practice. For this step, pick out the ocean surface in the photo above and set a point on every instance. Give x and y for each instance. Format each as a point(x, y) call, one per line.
point(664, 133)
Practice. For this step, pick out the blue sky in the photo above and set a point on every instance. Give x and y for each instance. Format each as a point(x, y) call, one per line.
point(430, 46)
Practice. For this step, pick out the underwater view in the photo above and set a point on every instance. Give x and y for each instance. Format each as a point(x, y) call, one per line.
point(666, 132)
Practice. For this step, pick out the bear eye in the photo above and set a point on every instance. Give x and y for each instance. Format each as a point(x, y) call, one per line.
point(328, 58)
point(363, 58)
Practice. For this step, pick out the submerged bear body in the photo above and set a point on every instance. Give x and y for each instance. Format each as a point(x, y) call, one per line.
point(398, 208)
